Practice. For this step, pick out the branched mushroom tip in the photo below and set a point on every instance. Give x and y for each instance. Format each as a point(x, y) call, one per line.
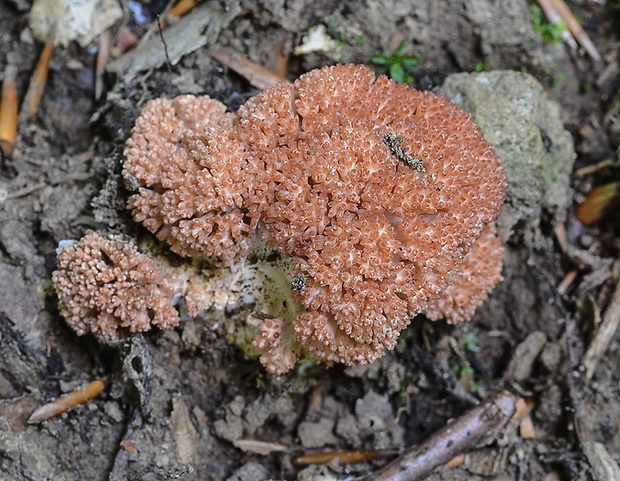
point(106, 286)
point(383, 197)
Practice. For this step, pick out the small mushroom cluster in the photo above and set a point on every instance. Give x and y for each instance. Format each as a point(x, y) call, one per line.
point(383, 197)
point(107, 286)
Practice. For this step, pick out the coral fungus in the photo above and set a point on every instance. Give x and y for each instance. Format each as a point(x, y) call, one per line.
point(383, 197)
point(107, 286)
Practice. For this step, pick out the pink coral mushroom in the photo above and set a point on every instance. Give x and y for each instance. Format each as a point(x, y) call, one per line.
point(106, 286)
point(384, 198)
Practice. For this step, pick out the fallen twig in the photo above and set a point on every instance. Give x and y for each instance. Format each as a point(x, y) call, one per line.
point(258, 447)
point(554, 17)
point(556, 11)
point(603, 337)
point(126, 448)
point(568, 280)
point(344, 457)
point(30, 106)
point(182, 8)
point(575, 28)
point(103, 57)
point(67, 401)
point(594, 168)
point(258, 76)
point(25, 191)
point(419, 461)
point(604, 467)
point(8, 111)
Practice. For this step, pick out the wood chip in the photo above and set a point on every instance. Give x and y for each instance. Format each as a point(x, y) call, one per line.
point(67, 401)
point(183, 432)
point(258, 447)
point(526, 428)
point(575, 28)
point(258, 76)
point(523, 407)
point(345, 456)
point(456, 462)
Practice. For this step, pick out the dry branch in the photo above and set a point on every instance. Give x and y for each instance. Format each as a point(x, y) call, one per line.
point(38, 79)
point(576, 29)
point(344, 457)
point(603, 337)
point(557, 11)
point(464, 433)
point(182, 8)
point(103, 57)
point(258, 76)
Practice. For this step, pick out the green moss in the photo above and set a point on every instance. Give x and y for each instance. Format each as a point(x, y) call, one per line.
point(550, 33)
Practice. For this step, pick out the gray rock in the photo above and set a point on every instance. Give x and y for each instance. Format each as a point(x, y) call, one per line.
point(231, 427)
point(526, 129)
point(250, 471)
point(317, 434)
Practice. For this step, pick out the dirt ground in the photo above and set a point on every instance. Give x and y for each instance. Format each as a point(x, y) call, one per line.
point(178, 403)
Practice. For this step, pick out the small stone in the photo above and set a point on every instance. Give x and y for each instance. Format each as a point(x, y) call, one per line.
point(251, 471)
point(551, 357)
point(316, 435)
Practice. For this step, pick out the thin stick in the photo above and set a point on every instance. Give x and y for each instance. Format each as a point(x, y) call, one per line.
point(603, 337)
point(67, 401)
point(39, 79)
point(344, 457)
point(181, 8)
point(25, 191)
point(419, 461)
point(8, 111)
point(258, 76)
point(163, 40)
point(554, 17)
point(575, 28)
point(103, 57)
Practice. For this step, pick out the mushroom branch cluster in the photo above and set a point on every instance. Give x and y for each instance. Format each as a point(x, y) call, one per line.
point(383, 198)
